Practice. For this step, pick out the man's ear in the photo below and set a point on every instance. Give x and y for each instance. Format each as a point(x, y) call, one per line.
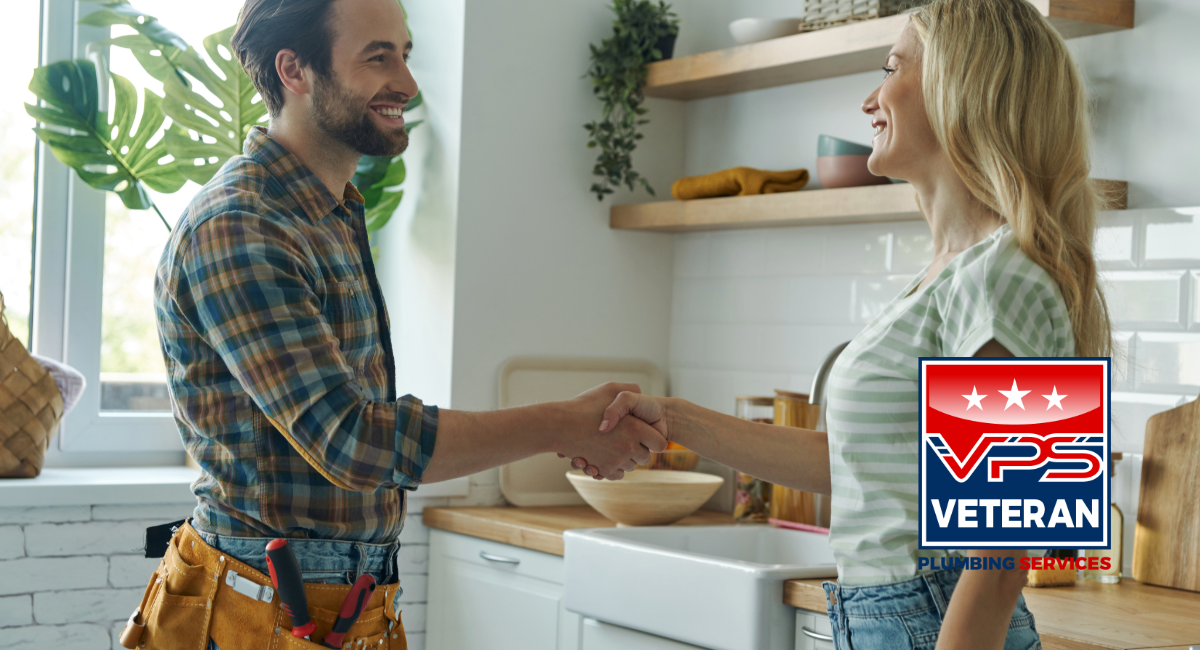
point(293, 75)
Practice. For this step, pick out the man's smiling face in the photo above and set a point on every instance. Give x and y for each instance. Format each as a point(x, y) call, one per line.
point(361, 102)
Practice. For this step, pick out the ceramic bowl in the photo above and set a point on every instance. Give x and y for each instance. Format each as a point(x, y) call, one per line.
point(841, 163)
point(647, 497)
point(753, 30)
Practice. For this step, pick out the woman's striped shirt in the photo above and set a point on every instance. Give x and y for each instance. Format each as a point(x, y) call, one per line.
point(989, 291)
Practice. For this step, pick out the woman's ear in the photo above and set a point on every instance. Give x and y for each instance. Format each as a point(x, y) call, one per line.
point(295, 77)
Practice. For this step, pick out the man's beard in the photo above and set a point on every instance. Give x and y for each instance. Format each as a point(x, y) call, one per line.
point(346, 118)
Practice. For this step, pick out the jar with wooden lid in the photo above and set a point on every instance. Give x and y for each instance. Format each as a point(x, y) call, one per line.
point(752, 497)
point(787, 504)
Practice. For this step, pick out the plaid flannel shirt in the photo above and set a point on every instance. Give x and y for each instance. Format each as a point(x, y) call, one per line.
point(279, 359)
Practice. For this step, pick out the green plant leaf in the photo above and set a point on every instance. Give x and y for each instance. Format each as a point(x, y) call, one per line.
point(120, 12)
point(220, 129)
point(114, 155)
point(378, 216)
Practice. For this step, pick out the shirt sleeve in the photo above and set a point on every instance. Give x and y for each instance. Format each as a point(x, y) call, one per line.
point(1009, 298)
point(248, 287)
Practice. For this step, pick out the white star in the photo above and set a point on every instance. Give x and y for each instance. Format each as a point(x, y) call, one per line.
point(1014, 396)
point(974, 399)
point(1055, 399)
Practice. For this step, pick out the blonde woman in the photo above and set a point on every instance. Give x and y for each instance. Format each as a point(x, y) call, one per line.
point(984, 112)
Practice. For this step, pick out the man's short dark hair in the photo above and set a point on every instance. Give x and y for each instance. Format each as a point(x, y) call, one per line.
point(268, 26)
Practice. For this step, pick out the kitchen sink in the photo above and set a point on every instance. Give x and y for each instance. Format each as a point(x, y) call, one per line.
point(718, 587)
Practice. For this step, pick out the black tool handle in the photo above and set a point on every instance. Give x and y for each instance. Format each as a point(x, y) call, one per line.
point(352, 607)
point(289, 583)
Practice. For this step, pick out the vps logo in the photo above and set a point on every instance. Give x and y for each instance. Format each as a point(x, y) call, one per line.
point(1014, 453)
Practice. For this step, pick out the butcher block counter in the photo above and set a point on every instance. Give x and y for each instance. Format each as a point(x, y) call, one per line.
point(1088, 616)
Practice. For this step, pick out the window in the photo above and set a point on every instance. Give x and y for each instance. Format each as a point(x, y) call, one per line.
point(19, 50)
point(94, 269)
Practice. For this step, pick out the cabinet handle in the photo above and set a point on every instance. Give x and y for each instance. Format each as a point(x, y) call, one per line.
point(814, 635)
point(499, 558)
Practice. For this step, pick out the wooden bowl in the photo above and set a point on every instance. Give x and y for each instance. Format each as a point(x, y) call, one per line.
point(647, 497)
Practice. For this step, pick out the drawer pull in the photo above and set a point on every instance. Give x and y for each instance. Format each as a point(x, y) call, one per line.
point(814, 635)
point(499, 558)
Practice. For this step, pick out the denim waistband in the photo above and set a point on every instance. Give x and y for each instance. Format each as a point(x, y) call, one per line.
point(321, 560)
point(920, 592)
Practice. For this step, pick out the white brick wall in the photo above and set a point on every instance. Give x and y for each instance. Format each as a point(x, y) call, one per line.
point(758, 310)
point(70, 576)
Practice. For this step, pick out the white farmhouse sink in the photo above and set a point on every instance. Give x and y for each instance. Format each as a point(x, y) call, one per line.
point(718, 587)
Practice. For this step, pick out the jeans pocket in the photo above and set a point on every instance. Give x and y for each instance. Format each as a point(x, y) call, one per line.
point(890, 632)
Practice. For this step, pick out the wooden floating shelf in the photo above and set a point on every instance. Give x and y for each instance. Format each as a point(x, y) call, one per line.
point(875, 204)
point(850, 49)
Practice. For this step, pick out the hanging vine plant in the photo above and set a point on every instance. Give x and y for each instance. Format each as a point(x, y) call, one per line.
point(643, 32)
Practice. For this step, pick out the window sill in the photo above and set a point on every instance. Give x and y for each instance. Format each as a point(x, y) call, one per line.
point(63, 486)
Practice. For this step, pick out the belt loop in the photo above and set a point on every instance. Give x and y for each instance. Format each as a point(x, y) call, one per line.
point(935, 593)
point(362, 560)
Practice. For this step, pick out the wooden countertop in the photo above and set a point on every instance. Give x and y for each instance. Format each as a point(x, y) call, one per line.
point(1088, 616)
point(539, 529)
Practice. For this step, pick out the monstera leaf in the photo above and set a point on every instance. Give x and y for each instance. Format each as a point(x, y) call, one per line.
point(108, 154)
point(220, 128)
point(157, 48)
point(375, 175)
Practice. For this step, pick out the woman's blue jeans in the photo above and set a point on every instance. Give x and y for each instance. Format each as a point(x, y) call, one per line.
point(908, 615)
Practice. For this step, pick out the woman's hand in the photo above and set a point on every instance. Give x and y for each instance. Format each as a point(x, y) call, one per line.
point(650, 410)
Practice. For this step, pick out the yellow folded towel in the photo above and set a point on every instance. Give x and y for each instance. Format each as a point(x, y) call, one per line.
point(739, 181)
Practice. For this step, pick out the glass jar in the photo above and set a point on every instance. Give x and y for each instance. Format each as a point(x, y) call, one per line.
point(752, 498)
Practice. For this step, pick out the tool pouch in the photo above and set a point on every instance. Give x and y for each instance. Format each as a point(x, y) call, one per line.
point(198, 592)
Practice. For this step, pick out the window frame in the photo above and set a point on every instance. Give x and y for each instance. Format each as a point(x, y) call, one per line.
point(68, 288)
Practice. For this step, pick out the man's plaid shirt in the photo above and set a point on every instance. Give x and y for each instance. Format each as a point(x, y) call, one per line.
point(279, 359)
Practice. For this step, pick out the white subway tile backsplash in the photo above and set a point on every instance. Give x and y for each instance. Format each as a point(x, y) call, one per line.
point(692, 254)
point(1151, 299)
point(732, 346)
point(1172, 237)
point(687, 343)
point(738, 253)
point(1130, 411)
point(744, 300)
point(795, 251)
point(1122, 361)
point(857, 249)
point(871, 295)
point(824, 300)
point(1115, 245)
point(691, 301)
point(800, 348)
point(760, 383)
point(912, 247)
point(1167, 363)
point(712, 389)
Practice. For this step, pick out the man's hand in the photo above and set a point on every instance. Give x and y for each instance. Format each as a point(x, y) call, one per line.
point(643, 408)
point(616, 448)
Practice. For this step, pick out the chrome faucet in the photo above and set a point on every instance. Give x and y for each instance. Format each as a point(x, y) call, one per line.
point(818, 397)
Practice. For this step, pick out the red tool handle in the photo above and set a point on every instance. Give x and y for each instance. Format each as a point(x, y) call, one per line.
point(285, 574)
point(352, 607)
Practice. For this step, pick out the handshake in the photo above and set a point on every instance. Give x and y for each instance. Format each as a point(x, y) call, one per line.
point(602, 441)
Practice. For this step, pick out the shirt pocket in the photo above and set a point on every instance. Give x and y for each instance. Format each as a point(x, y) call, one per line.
point(352, 318)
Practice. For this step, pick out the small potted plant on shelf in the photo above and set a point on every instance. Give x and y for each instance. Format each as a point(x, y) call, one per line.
point(643, 32)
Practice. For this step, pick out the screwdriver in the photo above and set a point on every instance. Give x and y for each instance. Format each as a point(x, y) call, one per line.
point(352, 607)
point(285, 573)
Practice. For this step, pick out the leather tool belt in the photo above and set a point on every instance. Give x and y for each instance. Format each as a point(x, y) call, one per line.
point(198, 592)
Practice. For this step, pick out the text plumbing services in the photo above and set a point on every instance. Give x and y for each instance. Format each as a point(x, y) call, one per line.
point(1013, 456)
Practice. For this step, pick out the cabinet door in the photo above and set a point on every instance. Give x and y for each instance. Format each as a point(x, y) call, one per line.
point(602, 636)
point(481, 604)
point(819, 629)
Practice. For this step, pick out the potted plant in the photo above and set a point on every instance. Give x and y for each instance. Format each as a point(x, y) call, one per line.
point(643, 32)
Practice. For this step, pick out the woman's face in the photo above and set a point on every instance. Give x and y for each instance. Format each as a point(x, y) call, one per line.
point(904, 144)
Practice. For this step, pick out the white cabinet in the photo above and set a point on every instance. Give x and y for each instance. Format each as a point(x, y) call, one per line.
point(602, 636)
point(820, 631)
point(489, 596)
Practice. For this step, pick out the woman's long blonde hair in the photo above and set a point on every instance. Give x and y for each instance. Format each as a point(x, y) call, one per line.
point(1009, 107)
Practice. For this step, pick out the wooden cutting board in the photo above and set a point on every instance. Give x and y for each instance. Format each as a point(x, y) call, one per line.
point(1166, 545)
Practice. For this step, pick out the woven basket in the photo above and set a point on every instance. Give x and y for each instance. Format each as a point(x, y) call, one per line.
point(821, 14)
point(30, 407)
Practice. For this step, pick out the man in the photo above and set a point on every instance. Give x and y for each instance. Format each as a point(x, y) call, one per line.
point(278, 350)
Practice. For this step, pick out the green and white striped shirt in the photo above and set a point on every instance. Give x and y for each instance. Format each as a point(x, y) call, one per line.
point(989, 291)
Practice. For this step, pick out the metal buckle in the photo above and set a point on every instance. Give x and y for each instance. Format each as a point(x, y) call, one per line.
point(248, 587)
